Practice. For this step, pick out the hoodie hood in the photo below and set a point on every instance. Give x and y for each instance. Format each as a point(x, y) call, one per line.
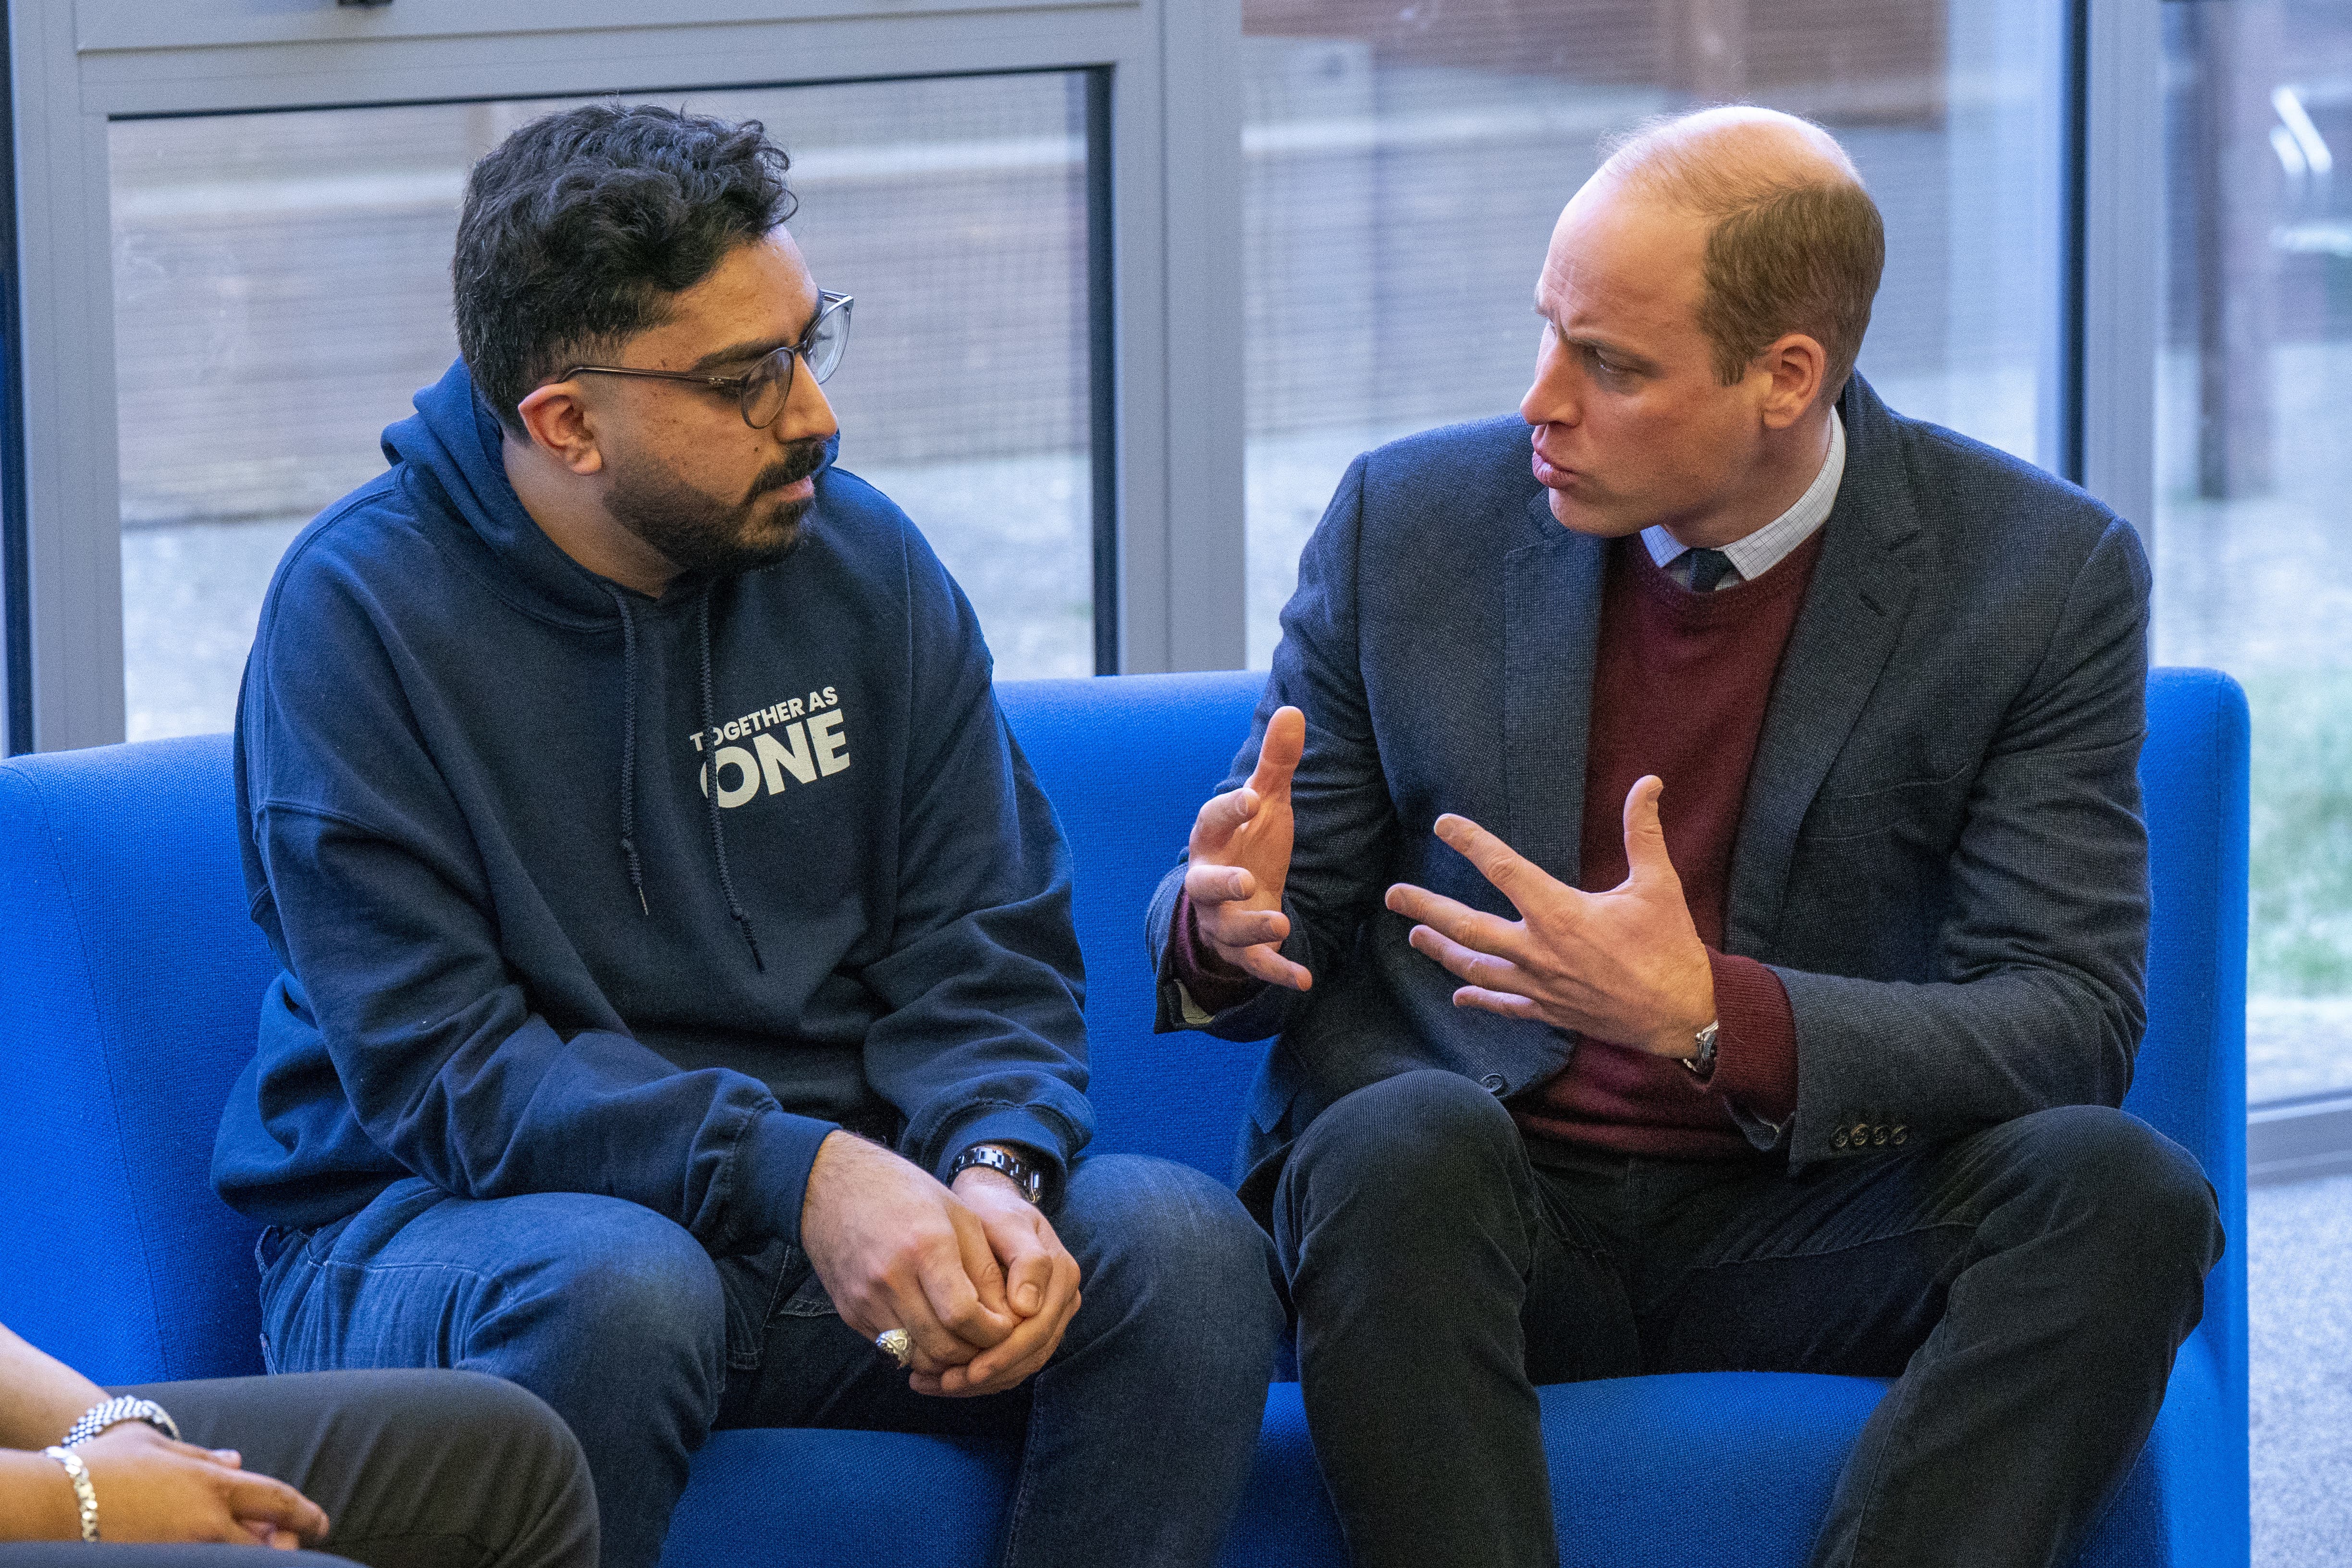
point(455, 445)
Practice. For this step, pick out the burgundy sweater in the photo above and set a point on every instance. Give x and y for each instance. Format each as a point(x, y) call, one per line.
point(1679, 690)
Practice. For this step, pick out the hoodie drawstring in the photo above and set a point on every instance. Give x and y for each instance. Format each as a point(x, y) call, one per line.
point(711, 794)
point(629, 750)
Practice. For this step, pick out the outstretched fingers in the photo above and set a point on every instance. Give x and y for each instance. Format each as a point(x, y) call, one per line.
point(1264, 961)
point(1456, 921)
point(1278, 753)
point(1206, 883)
point(1646, 836)
point(1220, 817)
point(1513, 874)
point(1503, 1003)
point(1481, 968)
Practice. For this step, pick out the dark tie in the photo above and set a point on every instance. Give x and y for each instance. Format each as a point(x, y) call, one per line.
point(1707, 567)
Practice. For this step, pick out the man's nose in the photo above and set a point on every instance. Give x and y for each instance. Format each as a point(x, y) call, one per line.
point(808, 413)
point(1552, 399)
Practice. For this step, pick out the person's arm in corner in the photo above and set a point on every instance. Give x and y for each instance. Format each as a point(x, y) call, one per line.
point(40, 1396)
point(152, 1489)
point(37, 1501)
point(149, 1488)
point(1285, 860)
point(368, 885)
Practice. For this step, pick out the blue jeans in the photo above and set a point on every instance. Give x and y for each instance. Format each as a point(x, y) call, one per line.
point(1136, 1439)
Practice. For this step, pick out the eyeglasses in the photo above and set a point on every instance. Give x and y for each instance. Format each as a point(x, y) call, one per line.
point(762, 391)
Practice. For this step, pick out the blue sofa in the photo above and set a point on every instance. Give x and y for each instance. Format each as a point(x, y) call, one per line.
point(130, 979)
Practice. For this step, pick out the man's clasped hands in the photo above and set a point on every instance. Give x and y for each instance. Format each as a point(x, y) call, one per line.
point(974, 1274)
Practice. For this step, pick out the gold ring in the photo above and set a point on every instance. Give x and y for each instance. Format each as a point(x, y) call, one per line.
point(894, 1343)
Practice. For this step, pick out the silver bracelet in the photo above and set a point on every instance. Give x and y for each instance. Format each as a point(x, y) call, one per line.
point(85, 1496)
point(113, 1412)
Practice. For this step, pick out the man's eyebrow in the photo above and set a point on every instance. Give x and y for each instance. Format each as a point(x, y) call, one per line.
point(736, 353)
point(1608, 346)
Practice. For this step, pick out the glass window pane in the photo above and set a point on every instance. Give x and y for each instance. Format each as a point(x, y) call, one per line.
point(282, 286)
point(1404, 165)
point(2253, 463)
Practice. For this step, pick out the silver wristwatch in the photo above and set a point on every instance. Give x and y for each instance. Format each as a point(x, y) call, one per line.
point(113, 1412)
point(1703, 1064)
point(1029, 1178)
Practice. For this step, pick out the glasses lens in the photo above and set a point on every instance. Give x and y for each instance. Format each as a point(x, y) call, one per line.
point(829, 335)
point(766, 389)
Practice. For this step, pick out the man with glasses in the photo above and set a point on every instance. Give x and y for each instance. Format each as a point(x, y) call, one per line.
point(680, 1008)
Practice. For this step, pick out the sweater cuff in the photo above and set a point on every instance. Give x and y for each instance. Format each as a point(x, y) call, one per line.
point(1002, 1123)
point(1756, 1049)
point(1213, 984)
point(773, 1161)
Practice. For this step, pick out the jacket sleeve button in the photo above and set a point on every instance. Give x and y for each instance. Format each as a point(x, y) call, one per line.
point(1861, 1133)
point(1492, 1083)
point(1838, 1141)
point(1878, 1137)
point(1897, 1135)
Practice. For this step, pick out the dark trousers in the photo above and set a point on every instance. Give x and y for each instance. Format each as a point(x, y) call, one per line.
point(415, 1470)
point(2026, 1285)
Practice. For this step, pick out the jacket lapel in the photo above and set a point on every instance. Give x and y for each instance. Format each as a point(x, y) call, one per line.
point(1852, 617)
point(1551, 625)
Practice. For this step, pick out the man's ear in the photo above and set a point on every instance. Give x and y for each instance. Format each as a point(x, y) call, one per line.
point(1798, 365)
point(559, 425)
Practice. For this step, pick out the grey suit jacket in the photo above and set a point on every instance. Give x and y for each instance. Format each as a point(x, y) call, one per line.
point(1941, 853)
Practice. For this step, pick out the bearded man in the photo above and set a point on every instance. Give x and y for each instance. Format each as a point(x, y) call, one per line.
point(1696, 873)
point(680, 1013)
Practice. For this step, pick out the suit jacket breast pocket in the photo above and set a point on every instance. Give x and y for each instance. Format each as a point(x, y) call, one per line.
point(1926, 810)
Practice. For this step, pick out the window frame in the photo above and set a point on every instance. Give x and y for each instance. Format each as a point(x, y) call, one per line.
point(1164, 220)
point(1167, 205)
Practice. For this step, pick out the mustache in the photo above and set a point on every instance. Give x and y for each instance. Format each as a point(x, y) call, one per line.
point(800, 459)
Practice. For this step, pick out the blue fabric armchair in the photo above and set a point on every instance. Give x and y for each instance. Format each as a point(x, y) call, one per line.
point(131, 977)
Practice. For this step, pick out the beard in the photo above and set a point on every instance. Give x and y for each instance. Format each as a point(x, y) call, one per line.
point(702, 534)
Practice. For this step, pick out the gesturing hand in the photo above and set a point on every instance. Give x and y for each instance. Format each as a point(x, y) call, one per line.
point(895, 1249)
point(1625, 966)
point(151, 1489)
point(1041, 1285)
point(1240, 858)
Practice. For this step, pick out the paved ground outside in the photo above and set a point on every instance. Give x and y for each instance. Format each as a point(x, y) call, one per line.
point(2299, 1260)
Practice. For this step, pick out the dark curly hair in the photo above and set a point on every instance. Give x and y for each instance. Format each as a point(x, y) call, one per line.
point(581, 226)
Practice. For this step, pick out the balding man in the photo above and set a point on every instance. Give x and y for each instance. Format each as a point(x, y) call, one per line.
point(1697, 882)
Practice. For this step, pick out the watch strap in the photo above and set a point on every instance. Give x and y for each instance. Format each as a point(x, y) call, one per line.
point(112, 1412)
point(1029, 1177)
point(1701, 1063)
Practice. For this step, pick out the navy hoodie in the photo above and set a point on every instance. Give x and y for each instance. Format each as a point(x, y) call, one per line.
point(532, 944)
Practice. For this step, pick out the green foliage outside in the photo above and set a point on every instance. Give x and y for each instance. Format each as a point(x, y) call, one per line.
point(2301, 943)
